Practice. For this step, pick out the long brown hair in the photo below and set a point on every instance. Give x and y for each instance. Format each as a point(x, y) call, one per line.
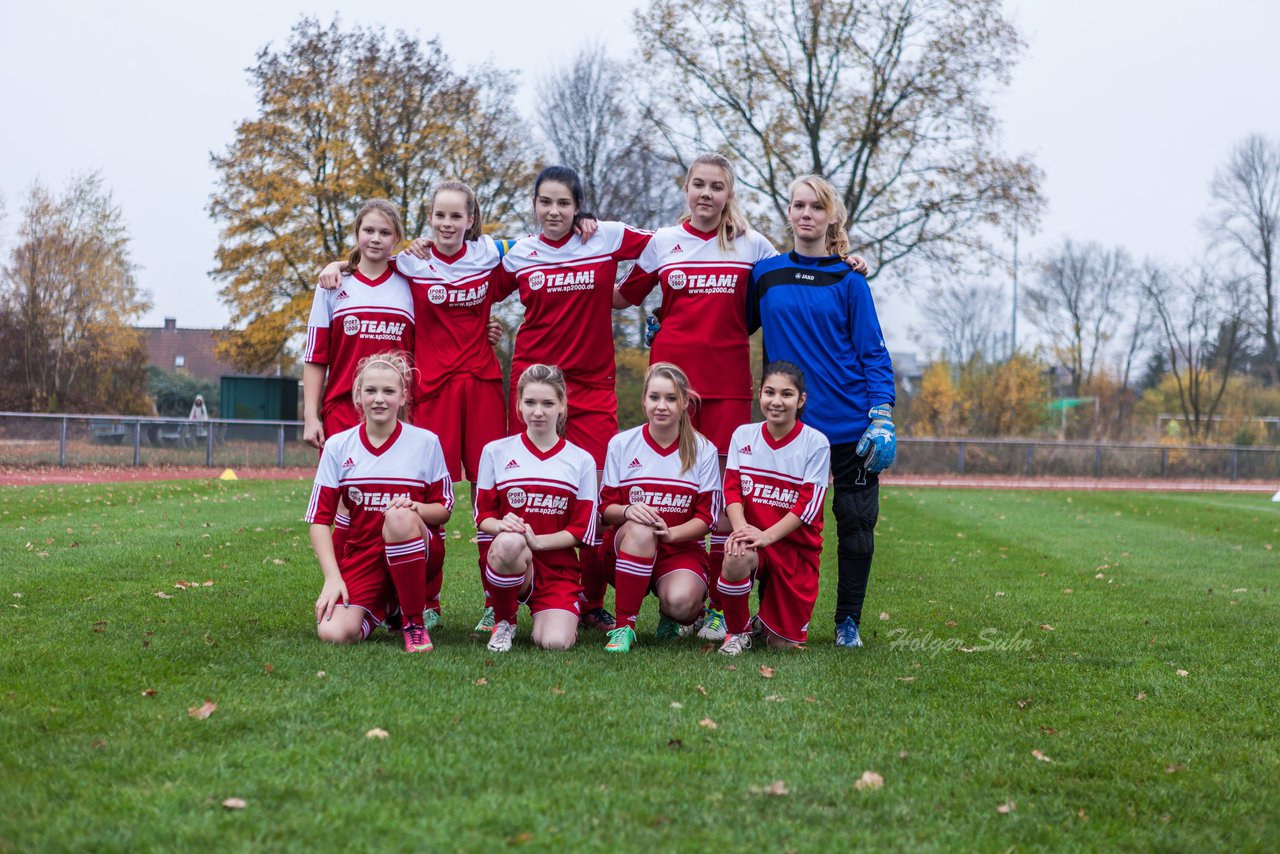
point(473, 207)
point(829, 200)
point(547, 375)
point(689, 400)
point(733, 222)
point(383, 207)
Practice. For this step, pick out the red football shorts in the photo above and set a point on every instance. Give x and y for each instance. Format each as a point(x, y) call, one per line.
point(792, 589)
point(467, 414)
point(593, 418)
point(717, 418)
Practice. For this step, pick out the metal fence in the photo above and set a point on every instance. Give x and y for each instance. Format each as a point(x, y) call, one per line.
point(108, 440)
point(1037, 458)
point(28, 439)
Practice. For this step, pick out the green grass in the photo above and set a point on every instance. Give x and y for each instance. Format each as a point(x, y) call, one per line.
point(588, 751)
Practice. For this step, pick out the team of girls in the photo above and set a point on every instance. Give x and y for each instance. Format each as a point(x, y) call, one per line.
point(393, 479)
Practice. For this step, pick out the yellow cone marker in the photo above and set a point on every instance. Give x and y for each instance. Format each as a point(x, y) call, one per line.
point(227, 474)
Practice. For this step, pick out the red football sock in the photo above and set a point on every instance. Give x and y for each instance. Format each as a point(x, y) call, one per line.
point(632, 574)
point(505, 590)
point(435, 570)
point(407, 562)
point(736, 596)
point(595, 577)
point(715, 560)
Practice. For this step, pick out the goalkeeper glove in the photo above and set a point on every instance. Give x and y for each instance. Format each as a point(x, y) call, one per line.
point(878, 444)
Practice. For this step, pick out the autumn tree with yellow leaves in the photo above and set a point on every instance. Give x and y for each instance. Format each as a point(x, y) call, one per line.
point(345, 115)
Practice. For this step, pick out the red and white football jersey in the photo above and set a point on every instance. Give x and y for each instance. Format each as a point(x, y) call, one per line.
point(452, 296)
point(773, 478)
point(704, 299)
point(360, 318)
point(409, 463)
point(639, 470)
point(551, 490)
point(567, 291)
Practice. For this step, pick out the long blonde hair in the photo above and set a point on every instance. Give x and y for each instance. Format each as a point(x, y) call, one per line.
point(733, 222)
point(689, 401)
point(396, 360)
point(837, 236)
point(473, 207)
point(383, 207)
point(547, 375)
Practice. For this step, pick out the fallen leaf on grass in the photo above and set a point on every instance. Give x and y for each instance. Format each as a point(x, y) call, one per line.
point(883, 615)
point(811, 699)
point(267, 667)
point(1183, 673)
point(868, 780)
point(97, 744)
point(163, 595)
point(149, 692)
point(377, 732)
point(1022, 704)
point(1039, 755)
point(767, 672)
point(207, 584)
point(1067, 590)
point(708, 723)
point(677, 705)
point(773, 698)
point(905, 678)
point(1082, 814)
point(951, 624)
point(481, 681)
point(675, 743)
point(1000, 593)
point(320, 674)
point(234, 803)
point(1048, 730)
point(1142, 695)
point(183, 585)
point(731, 667)
point(776, 789)
point(204, 711)
point(1174, 768)
point(1006, 807)
point(701, 690)
point(1099, 575)
point(1046, 627)
point(706, 648)
point(557, 690)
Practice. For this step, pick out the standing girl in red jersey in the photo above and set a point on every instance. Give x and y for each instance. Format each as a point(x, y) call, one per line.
point(536, 499)
point(661, 490)
point(372, 312)
point(394, 480)
point(774, 487)
point(567, 285)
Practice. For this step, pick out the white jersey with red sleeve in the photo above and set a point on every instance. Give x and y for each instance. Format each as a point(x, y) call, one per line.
point(366, 478)
point(452, 296)
point(567, 290)
point(704, 301)
point(639, 470)
point(360, 318)
point(771, 478)
point(552, 490)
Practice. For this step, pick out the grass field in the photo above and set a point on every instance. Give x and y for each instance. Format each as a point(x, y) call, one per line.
point(1043, 671)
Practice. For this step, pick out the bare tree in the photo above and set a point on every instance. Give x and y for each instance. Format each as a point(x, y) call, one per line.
point(889, 99)
point(591, 124)
point(964, 319)
point(1202, 324)
point(1246, 218)
point(1076, 303)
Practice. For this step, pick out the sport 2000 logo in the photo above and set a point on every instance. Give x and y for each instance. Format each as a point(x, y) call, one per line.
point(354, 496)
point(351, 325)
point(437, 294)
point(536, 281)
point(677, 280)
point(635, 495)
point(516, 497)
point(746, 483)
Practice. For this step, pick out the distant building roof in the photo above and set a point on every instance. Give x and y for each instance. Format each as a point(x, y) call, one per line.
point(189, 351)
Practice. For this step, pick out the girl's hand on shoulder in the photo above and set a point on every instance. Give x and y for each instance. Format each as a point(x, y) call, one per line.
point(858, 263)
point(586, 226)
point(420, 248)
point(331, 594)
point(331, 275)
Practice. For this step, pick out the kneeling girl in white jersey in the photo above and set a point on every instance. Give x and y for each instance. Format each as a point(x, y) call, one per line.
point(535, 497)
point(393, 479)
point(774, 485)
point(661, 490)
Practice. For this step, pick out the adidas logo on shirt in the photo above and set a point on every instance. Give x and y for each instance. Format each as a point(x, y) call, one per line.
point(745, 449)
point(349, 463)
point(342, 295)
point(635, 463)
point(533, 254)
point(512, 465)
point(676, 248)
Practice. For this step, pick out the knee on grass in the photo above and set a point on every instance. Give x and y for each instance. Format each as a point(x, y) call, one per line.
point(340, 631)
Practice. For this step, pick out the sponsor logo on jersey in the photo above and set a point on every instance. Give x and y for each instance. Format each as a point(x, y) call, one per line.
point(349, 463)
point(634, 464)
point(677, 280)
point(342, 295)
point(573, 280)
point(439, 295)
point(377, 330)
point(533, 253)
point(747, 484)
point(512, 465)
point(805, 277)
point(370, 500)
point(745, 449)
point(354, 496)
point(775, 496)
point(678, 503)
point(536, 281)
point(541, 502)
point(705, 283)
point(516, 497)
point(676, 248)
point(351, 325)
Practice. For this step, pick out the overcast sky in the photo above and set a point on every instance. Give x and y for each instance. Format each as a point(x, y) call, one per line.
point(1127, 105)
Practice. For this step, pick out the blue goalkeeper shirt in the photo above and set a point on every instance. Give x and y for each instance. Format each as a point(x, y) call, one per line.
point(818, 313)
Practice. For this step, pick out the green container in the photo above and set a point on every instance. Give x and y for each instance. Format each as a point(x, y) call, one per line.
point(252, 398)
